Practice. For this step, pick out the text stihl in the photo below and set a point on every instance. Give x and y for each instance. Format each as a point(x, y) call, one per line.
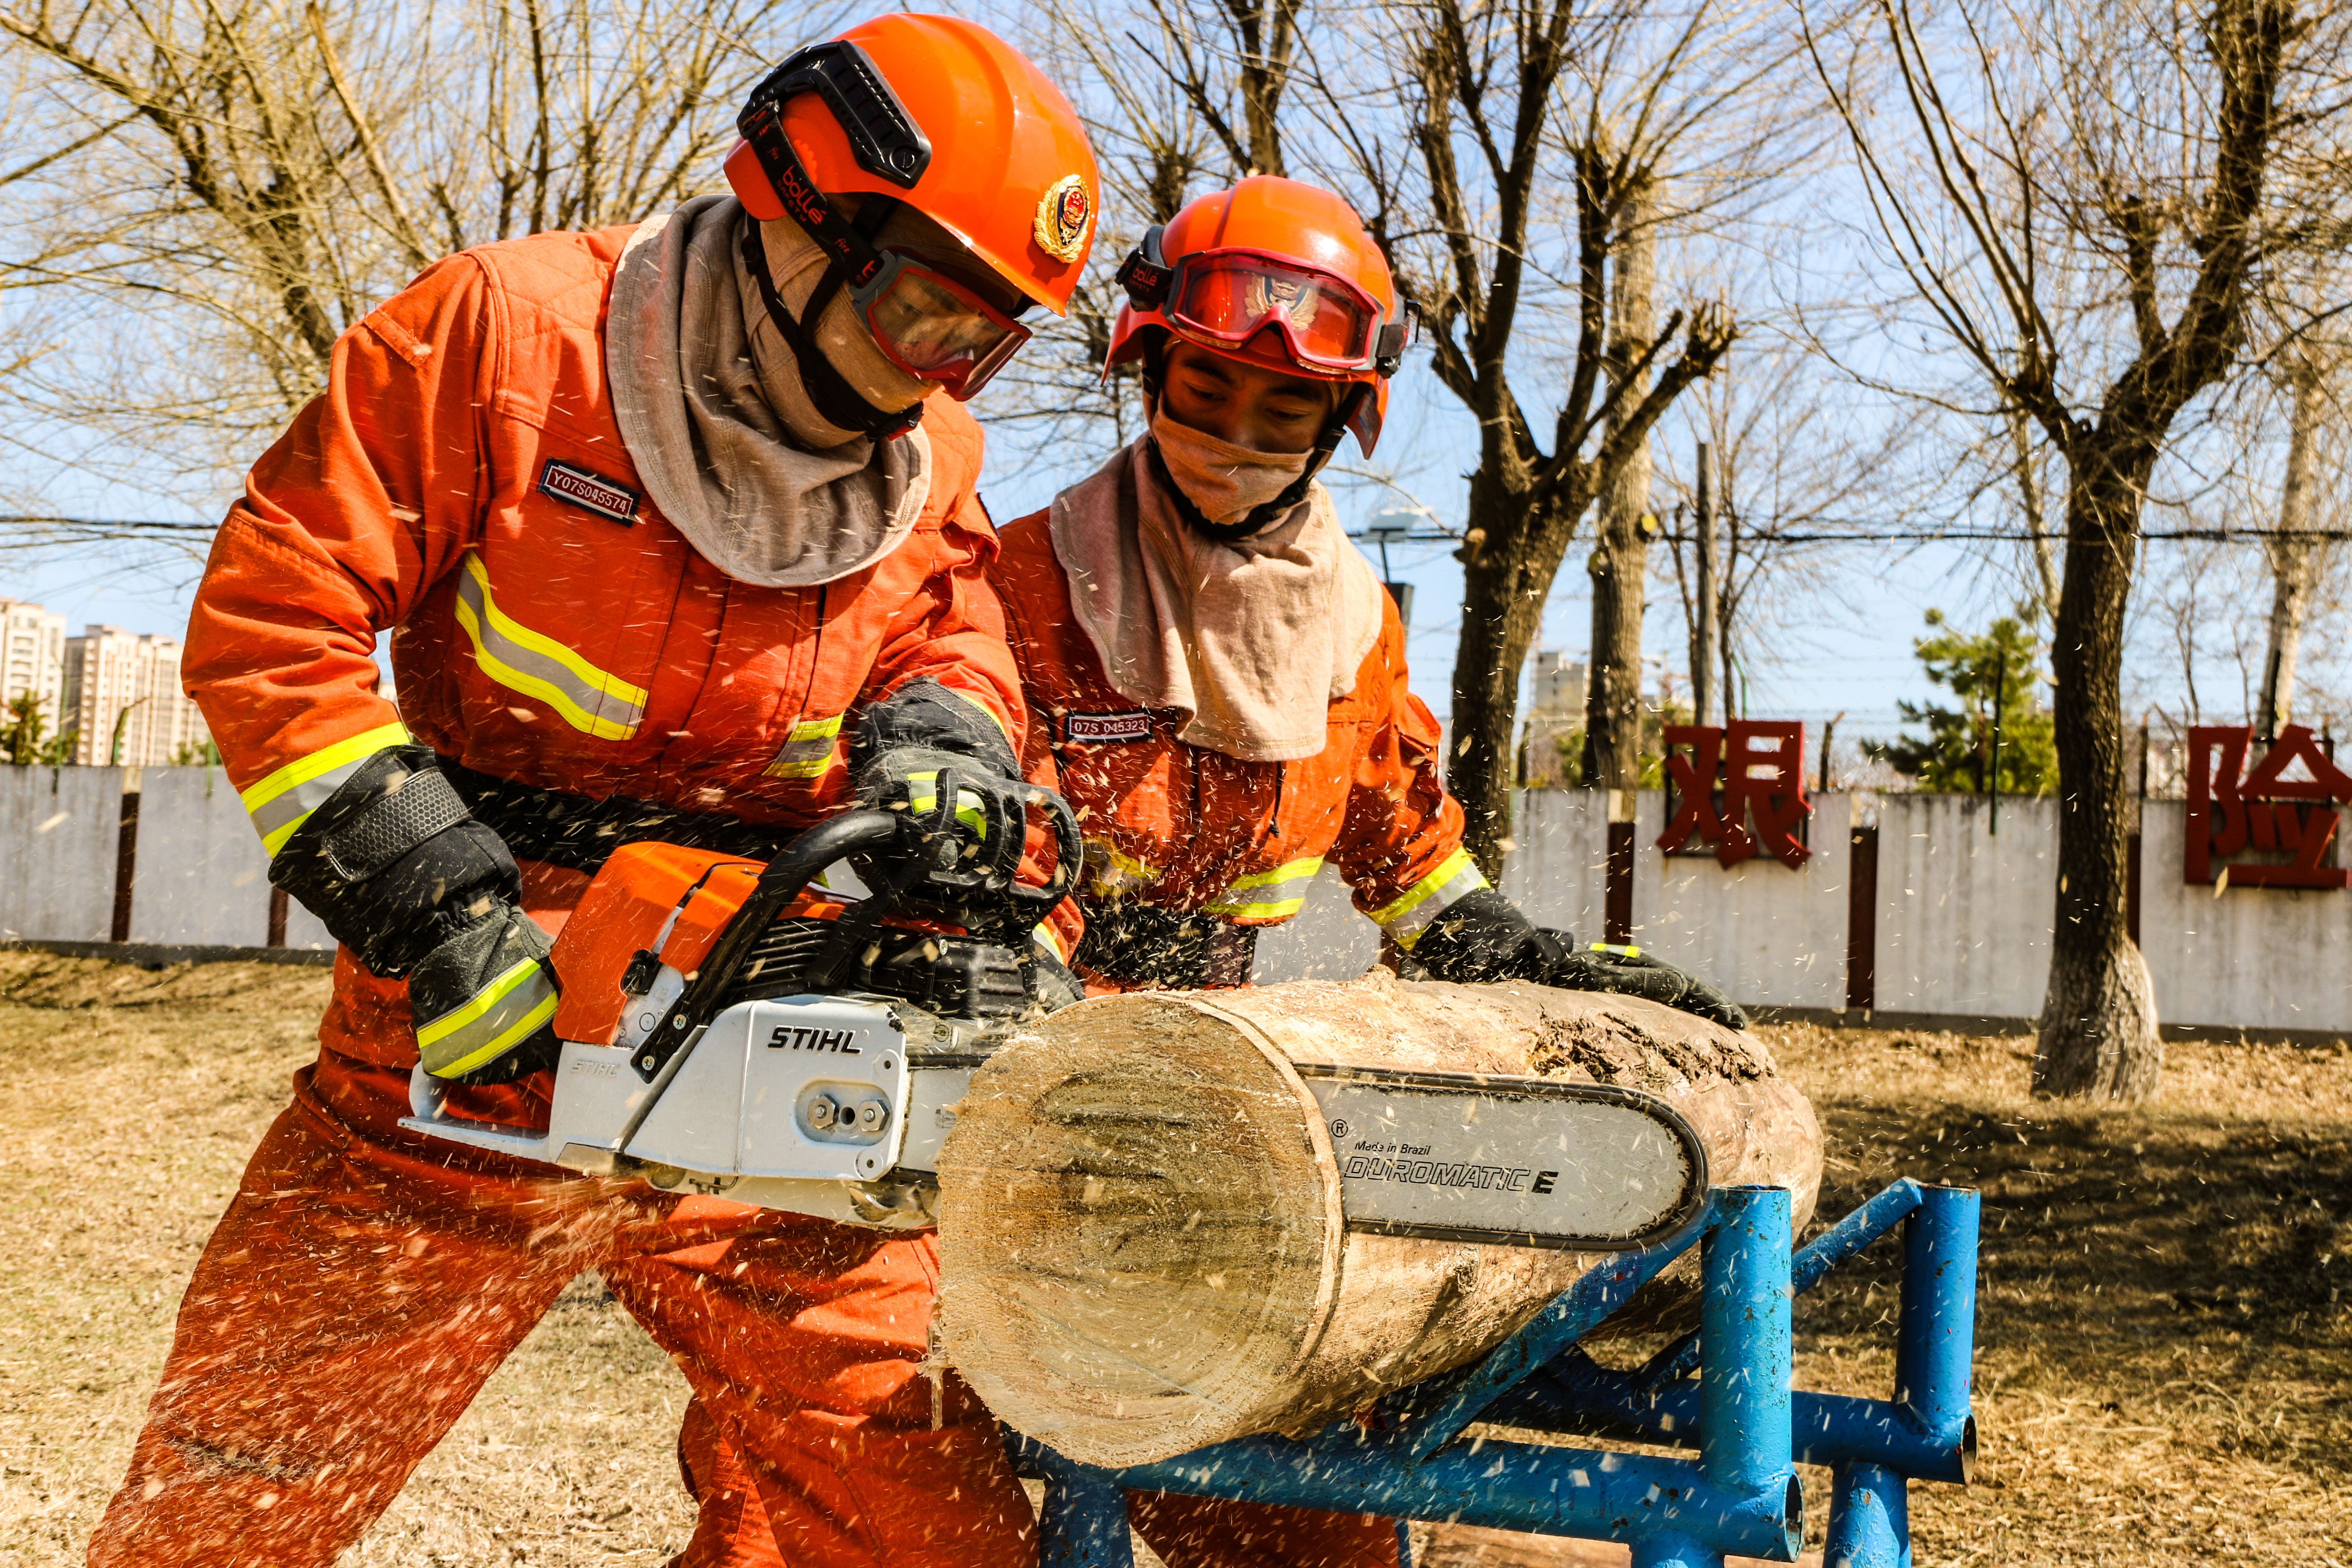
point(800, 1037)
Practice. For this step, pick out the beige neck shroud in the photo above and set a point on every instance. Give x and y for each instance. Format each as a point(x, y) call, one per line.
point(1252, 640)
point(710, 401)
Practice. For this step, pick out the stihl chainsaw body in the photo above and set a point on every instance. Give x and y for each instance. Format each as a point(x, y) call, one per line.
point(727, 1032)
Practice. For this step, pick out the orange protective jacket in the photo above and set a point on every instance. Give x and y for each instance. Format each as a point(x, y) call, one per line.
point(1187, 828)
point(462, 482)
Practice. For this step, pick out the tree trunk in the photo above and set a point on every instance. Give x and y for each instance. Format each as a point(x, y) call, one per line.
point(2293, 560)
point(1620, 565)
point(2099, 1034)
point(1140, 1245)
point(1502, 607)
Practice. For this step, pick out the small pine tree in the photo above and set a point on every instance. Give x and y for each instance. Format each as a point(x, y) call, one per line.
point(1957, 753)
point(25, 738)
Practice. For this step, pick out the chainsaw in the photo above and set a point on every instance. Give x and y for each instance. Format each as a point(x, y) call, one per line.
point(728, 1030)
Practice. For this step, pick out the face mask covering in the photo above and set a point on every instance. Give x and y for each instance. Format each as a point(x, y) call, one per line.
point(721, 431)
point(1225, 482)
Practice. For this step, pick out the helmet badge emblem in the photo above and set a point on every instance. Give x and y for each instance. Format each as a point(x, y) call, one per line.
point(1064, 213)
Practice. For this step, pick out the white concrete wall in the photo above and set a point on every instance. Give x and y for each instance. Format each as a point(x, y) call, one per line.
point(1328, 940)
point(1963, 914)
point(2255, 958)
point(1558, 870)
point(201, 877)
point(57, 832)
point(1760, 930)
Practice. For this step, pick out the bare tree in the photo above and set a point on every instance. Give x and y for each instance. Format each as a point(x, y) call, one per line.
point(1619, 565)
point(2296, 551)
point(1500, 212)
point(2083, 199)
point(242, 180)
point(1800, 463)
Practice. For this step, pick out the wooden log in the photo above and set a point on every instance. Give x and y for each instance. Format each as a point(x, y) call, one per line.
point(1140, 1237)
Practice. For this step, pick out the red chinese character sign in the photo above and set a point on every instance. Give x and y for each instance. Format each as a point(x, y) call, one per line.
point(2231, 810)
point(1763, 789)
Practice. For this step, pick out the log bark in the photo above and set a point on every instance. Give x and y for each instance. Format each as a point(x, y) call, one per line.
point(1141, 1246)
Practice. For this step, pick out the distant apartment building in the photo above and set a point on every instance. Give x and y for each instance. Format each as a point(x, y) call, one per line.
point(118, 683)
point(1555, 717)
point(32, 655)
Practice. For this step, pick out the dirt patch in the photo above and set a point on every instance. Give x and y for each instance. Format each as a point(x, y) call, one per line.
point(2164, 1327)
point(2165, 1337)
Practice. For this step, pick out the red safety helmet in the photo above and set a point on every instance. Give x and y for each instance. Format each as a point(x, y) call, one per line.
point(996, 156)
point(1276, 273)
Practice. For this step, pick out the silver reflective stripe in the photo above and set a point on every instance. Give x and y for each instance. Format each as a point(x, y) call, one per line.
point(280, 803)
point(500, 1017)
point(538, 666)
point(1457, 877)
point(808, 751)
point(1274, 895)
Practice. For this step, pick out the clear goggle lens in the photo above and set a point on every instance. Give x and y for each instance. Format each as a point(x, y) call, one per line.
point(933, 326)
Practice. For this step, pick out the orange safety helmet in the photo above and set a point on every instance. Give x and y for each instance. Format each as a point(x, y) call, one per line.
point(1276, 273)
point(945, 115)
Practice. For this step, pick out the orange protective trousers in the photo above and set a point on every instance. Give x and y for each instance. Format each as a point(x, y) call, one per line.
point(364, 1285)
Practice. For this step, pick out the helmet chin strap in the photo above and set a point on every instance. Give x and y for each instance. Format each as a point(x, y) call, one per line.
point(837, 401)
point(1266, 514)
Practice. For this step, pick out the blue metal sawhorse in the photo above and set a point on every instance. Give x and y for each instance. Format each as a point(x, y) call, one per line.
point(1740, 1495)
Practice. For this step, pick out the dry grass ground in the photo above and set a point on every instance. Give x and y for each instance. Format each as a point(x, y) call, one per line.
point(2164, 1371)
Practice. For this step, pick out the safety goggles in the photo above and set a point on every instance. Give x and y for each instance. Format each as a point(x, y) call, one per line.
point(933, 326)
point(1229, 297)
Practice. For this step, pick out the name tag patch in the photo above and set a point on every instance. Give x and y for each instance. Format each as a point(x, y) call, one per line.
point(1104, 729)
point(583, 489)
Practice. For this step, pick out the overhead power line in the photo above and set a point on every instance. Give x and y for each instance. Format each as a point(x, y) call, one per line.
point(1889, 535)
point(1858, 535)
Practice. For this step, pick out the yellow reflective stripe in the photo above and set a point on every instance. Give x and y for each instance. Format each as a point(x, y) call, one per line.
point(285, 800)
point(536, 665)
point(997, 718)
point(1115, 872)
point(1044, 937)
point(1617, 950)
point(809, 752)
point(970, 815)
point(1456, 876)
point(502, 1015)
point(1237, 901)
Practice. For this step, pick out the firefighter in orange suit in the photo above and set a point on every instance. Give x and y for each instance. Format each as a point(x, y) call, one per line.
point(675, 529)
point(1212, 666)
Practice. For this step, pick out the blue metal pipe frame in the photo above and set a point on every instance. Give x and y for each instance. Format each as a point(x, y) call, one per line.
point(1741, 1495)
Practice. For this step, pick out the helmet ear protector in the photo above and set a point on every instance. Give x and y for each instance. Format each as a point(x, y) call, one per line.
point(1145, 274)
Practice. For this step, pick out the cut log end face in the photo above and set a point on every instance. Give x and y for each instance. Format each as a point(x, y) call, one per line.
point(1141, 1229)
point(1142, 1241)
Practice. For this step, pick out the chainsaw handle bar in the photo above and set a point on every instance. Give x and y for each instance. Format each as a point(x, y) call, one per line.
point(868, 832)
point(1005, 811)
point(852, 833)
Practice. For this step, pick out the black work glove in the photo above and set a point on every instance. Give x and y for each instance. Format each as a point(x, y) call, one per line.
point(404, 877)
point(973, 852)
point(483, 1002)
point(1482, 936)
point(895, 760)
point(1630, 971)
